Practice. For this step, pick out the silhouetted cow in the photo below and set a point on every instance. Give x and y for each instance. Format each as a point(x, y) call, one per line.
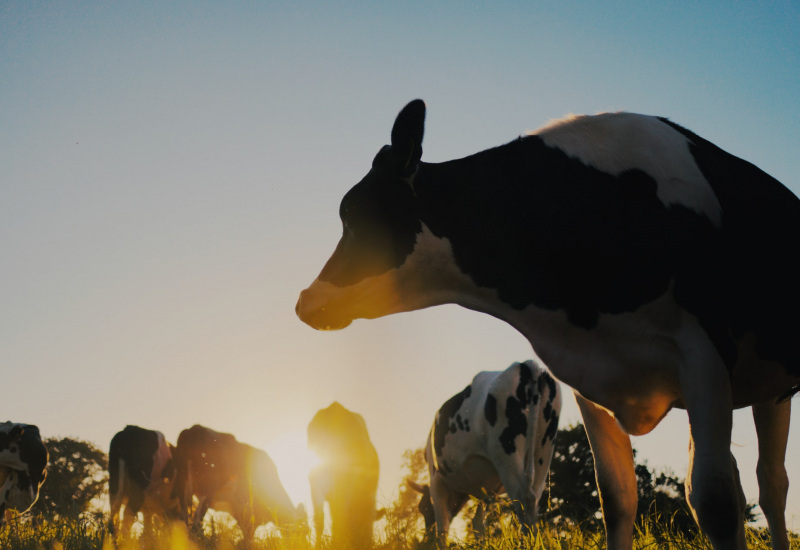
point(141, 476)
point(495, 436)
point(648, 268)
point(23, 465)
point(347, 477)
point(232, 477)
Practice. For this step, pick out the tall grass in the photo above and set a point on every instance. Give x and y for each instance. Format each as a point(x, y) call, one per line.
point(89, 534)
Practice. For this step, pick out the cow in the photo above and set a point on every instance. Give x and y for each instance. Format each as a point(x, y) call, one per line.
point(494, 436)
point(347, 476)
point(648, 268)
point(141, 477)
point(233, 477)
point(23, 466)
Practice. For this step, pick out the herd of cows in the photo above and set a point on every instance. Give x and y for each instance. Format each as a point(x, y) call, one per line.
point(495, 436)
point(649, 270)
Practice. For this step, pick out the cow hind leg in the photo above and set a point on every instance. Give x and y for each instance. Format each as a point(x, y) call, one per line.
point(131, 511)
point(523, 497)
point(479, 521)
point(772, 427)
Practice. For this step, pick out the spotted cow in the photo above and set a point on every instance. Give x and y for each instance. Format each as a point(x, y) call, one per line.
point(648, 268)
point(23, 466)
point(346, 478)
point(494, 436)
point(141, 477)
point(233, 477)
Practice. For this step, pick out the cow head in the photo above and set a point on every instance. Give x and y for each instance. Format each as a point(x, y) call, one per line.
point(365, 276)
point(425, 505)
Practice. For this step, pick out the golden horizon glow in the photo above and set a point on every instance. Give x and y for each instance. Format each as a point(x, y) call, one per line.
point(290, 453)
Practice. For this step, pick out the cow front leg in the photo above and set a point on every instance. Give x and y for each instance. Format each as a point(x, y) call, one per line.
point(712, 484)
point(318, 503)
point(479, 521)
point(446, 505)
point(199, 514)
point(614, 471)
point(772, 427)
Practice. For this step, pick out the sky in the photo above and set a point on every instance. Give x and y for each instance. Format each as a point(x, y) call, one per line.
point(170, 176)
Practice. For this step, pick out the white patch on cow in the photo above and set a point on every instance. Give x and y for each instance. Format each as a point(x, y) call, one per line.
point(618, 142)
point(428, 277)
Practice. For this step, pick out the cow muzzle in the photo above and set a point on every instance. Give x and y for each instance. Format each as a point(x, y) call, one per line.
point(315, 309)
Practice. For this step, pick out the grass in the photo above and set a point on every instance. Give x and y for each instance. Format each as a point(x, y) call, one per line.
point(91, 534)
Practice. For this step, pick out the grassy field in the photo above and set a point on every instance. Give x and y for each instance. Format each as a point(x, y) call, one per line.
point(89, 534)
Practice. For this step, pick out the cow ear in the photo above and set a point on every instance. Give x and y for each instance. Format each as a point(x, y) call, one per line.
point(416, 486)
point(407, 132)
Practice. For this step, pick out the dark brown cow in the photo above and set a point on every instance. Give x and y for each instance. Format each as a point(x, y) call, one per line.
point(141, 476)
point(230, 476)
point(347, 477)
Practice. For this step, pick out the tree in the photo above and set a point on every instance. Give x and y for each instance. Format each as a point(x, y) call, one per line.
point(571, 496)
point(76, 475)
point(403, 518)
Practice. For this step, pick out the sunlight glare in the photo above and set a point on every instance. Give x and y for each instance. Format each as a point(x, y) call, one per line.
point(293, 460)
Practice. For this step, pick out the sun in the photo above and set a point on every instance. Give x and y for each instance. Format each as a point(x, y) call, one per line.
point(294, 461)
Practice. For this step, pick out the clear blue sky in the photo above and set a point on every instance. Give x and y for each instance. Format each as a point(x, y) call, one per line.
point(171, 173)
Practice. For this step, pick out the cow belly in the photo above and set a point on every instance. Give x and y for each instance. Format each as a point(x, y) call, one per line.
point(755, 380)
point(474, 475)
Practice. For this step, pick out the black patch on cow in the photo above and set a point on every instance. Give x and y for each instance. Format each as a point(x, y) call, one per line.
point(543, 228)
point(517, 406)
point(137, 447)
point(517, 424)
point(552, 428)
point(525, 390)
point(751, 282)
point(446, 468)
point(541, 461)
point(10, 439)
point(444, 420)
point(546, 380)
point(490, 409)
point(379, 225)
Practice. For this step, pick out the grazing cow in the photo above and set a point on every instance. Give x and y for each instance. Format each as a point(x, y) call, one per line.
point(23, 465)
point(232, 477)
point(648, 268)
point(495, 436)
point(141, 476)
point(347, 477)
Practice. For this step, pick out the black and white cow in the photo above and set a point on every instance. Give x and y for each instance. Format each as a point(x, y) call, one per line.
point(494, 436)
point(23, 466)
point(648, 268)
point(141, 476)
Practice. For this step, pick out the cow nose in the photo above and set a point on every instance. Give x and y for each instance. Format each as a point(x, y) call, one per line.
point(306, 309)
point(298, 308)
